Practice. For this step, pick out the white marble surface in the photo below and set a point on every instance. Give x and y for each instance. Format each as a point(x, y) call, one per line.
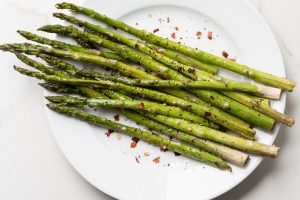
point(31, 165)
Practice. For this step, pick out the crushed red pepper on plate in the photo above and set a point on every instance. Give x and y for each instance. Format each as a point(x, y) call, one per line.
point(198, 34)
point(225, 54)
point(156, 160)
point(209, 35)
point(173, 35)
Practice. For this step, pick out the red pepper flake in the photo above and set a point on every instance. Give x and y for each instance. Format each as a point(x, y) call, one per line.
point(156, 160)
point(198, 34)
point(176, 28)
point(225, 54)
point(163, 149)
point(173, 35)
point(155, 30)
point(136, 159)
point(133, 144)
point(141, 105)
point(117, 117)
point(209, 35)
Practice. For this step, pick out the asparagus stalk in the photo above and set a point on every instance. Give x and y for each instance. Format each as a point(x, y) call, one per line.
point(248, 101)
point(143, 135)
point(220, 137)
point(171, 54)
point(63, 45)
point(231, 155)
point(37, 50)
point(255, 147)
point(71, 69)
point(218, 100)
point(236, 86)
point(136, 44)
point(226, 153)
point(239, 97)
point(254, 74)
point(184, 59)
point(259, 99)
point(148, 106)
point(162, 97)
point(252, 101)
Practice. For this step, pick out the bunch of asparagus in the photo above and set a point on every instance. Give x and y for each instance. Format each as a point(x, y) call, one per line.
point(181, 96)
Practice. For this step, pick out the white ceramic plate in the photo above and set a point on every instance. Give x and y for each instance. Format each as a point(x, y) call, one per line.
point(109, 163)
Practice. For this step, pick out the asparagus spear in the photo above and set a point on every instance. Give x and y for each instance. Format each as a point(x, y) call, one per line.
point(218, 100)
point(143, 135)
point(246, 100)
point(138, 45)
point(271, 92)
point(63, 45)
point(231, 155)
point(171, 100)
point(37, 50)
point(217, 136)
point(184, 59)
point(206, 133)
point(226, 153)
point(254, 74)
point(148, 106)
point(239, 97)
point(237, 86)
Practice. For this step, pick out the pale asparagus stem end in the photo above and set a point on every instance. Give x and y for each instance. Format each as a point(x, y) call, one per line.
point(274, 150)
point(269, 92)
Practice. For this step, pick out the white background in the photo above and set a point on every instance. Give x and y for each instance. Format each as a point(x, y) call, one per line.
point(31, 165)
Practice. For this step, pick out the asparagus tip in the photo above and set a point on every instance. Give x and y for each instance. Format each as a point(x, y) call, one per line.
point(58, 15)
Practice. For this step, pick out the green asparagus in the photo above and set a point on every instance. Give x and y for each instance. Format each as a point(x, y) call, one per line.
point(143, 135)
point(151, 107)
point(257, 75)
point(171, 100)
point(231, 155)
point(63, 45)
point(271, 93)
point(218, 100)
point(237, 86)
point(217, 136)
